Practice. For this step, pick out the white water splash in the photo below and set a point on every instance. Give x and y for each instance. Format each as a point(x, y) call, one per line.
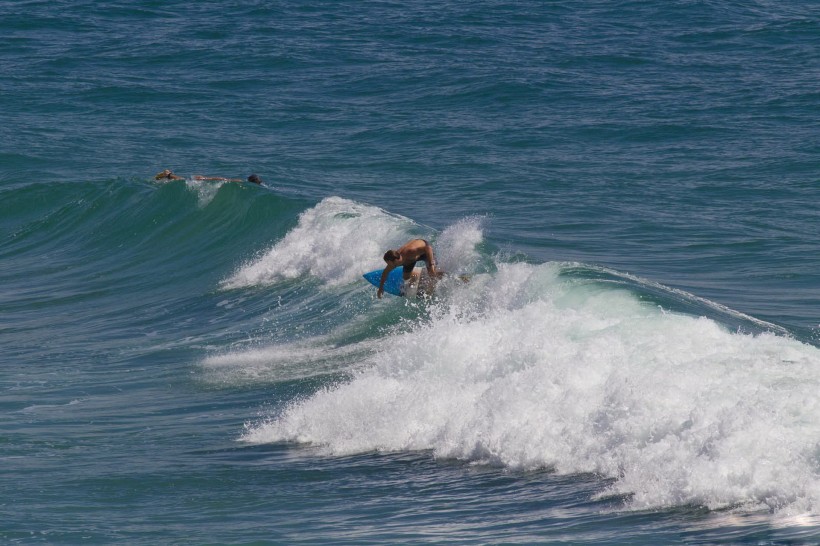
point(526, 370)
point(338, 240)
point(455, 249)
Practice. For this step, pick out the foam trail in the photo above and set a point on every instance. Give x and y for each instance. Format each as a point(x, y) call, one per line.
point(525, 369)
point(205, 190)
point(282, 362)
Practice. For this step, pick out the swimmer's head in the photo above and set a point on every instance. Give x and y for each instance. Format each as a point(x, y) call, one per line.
point(255, 179)
point(164, 174)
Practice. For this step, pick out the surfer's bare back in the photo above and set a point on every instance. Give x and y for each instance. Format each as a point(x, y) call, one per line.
point(406, 256)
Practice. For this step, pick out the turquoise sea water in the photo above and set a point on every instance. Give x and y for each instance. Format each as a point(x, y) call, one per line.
point(632, 187)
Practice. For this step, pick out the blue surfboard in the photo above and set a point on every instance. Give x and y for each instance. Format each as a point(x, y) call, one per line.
point(393, 283)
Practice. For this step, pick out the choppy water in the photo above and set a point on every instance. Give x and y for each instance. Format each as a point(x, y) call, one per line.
point(632, 187)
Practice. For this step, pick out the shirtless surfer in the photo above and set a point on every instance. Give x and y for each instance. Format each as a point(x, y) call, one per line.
point(406, 257)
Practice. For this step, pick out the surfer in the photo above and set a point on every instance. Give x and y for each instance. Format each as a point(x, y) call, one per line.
point(406, 257)
point(168, 175)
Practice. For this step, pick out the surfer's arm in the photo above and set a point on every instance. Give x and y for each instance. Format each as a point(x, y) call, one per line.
point(431, 259)
point(386, 272)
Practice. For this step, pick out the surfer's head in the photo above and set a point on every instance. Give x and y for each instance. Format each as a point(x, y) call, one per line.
point(392, 256)
point(164, 174)
point(255, 179)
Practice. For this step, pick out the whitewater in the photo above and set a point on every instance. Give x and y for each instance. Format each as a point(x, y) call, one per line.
point(533, 366)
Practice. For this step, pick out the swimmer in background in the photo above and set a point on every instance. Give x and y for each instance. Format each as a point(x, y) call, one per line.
point(168, 175)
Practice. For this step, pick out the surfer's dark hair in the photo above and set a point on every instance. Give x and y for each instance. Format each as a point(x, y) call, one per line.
point(255, 179)
point(391, 256)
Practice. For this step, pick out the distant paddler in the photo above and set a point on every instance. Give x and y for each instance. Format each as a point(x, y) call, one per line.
point(168, 175)
point(406, 256)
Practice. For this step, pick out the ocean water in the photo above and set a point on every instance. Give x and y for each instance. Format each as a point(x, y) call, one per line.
point(632, 187)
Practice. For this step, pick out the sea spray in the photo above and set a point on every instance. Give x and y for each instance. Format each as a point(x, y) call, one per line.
point(456, 248)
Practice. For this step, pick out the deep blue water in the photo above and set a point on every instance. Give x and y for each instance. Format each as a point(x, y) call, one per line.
point(632, 186)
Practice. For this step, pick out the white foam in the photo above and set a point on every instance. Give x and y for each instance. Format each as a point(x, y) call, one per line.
point(338, 240)
point(335, 241)
point(455, 248)
point(526, 370)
